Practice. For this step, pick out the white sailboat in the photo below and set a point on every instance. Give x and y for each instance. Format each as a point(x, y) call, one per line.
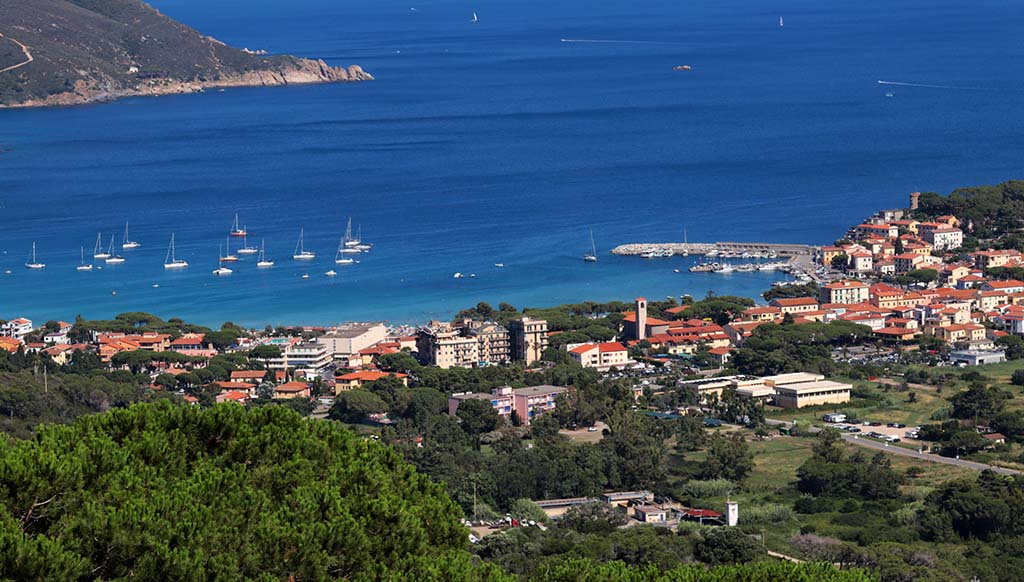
point(228, 258)
point(222, 270)
point(331, 273)
point(262, 261)
point(236, 230)
point(780, 22)
point(113, 259)
point(34, 263)
point(172, 262)
point(349, 244)
point(98, 252)
point(474, 18)
point(83, 266)
point(339, 256)
point(591, 257)
point(300, 253)
point(128, 243)
point(246, 249)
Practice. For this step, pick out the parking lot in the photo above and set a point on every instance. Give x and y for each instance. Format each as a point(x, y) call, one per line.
point(882, 431)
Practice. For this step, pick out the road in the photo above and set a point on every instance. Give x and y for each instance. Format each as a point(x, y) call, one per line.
point(24, 49)
point(884, 447)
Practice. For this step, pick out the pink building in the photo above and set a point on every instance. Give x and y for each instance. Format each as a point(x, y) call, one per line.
point(526, 402)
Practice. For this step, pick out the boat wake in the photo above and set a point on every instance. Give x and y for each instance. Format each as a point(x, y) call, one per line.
point(950, 87)
point(613, 41)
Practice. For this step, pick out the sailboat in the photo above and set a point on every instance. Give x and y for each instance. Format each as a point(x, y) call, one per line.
point(362, 246)
point(34, 263)
point(246, 249)
point(301, 254)
point(339, 257)
point(172, 262)
point(228, 258)
point(474, 18)
point(591, 257)
point(236, 230)
point(127, 243)
point(222, 270)
point(349, 244)
point(98, 252)
point(780, 22)
point(83, 266)
point(262, 261)
point(113, 259)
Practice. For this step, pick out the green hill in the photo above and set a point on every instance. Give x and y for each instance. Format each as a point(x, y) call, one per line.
point(64, 52)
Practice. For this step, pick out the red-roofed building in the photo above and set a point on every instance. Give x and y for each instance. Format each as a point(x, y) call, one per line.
point(847, 291)
point(603, 356)
point(359, 379)
point(292, 390)
point(795, 304)
point(233, 396)
point(248, 376)
point(193, 344)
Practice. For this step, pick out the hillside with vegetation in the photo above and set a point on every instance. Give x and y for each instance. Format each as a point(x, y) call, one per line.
point(63, 52)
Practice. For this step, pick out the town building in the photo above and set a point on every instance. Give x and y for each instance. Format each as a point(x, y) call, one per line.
point(17, 328)
point(846, 291)
point(290, 390)
point(602, 356)
point(442, 345)
point(943, 237)
point(977, 357)
point(347, 340)
point(492, 341)
point(307, 358)
point(528, 338)
point(800, 389)
point(527, 403)
point(795, 305)
point(637, 325)
point(358, 379)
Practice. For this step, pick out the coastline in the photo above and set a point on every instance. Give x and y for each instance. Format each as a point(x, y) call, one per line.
point(304, 72)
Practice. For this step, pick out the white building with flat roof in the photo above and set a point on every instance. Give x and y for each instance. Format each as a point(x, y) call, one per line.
point(346, 340)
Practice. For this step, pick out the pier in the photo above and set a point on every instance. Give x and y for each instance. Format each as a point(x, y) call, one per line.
point(679, 248)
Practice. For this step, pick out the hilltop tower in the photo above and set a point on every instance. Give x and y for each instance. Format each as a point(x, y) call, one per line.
point(915, 199)
point(641, 318)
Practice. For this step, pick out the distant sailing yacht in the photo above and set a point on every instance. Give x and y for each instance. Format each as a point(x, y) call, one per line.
point(339, 257)
point(349, 244)
point(98, 252)
point(474, 18)
point(172, 262)
point(246, 249)
point(262, 261)
point(34, 263)
point(222, 270)
point(228, 258)
point(236, 230)
point(113, 259)
point(359, 244)
point(300, 253)
point(83, 266)
point(780, 22)
point(591, 257)
point(127, 243)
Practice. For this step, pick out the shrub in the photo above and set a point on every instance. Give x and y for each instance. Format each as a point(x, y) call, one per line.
point(769, 514)
point(708, 488)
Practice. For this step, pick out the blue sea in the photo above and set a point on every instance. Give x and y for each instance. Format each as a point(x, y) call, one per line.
point(506, 141)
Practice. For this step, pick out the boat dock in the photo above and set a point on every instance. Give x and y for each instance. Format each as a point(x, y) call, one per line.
point(719, 248)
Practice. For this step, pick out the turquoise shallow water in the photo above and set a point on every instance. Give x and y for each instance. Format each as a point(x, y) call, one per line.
point(498, 142)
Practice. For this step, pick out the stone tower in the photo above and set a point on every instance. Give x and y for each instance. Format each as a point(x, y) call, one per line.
point(914, 200)
point(641, 318)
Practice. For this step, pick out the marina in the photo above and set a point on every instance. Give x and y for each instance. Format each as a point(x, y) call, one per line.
point(744, 250)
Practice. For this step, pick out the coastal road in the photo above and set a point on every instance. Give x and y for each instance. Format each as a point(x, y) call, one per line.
point(884, 447)
point(24, 49)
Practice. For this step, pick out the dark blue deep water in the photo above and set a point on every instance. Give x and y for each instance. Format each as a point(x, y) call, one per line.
point(498, 142)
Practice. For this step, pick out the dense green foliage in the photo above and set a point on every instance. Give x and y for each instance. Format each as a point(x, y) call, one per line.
point(990, 210)
point(163, 492)
point(776, 349)
point(806, 290)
